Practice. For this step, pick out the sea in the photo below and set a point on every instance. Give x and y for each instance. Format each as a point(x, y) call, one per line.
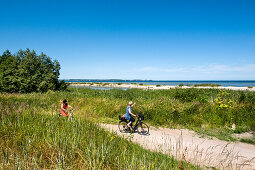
point(224, 83)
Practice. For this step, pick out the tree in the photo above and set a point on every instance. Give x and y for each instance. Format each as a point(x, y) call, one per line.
point(28, 72)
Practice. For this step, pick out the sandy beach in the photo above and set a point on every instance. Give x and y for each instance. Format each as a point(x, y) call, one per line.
point(154, 87)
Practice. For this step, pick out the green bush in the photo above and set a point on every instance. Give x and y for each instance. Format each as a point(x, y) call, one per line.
point(105, 84)
point(28, 72)
point(181, 85)
point(186, 95)
point(207, 85)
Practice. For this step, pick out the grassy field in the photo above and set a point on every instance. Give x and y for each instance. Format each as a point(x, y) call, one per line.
point(32, 136)
point(203, 110)
point(186, 107)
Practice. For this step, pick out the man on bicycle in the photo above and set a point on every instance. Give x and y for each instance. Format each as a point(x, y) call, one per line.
point(129, 114)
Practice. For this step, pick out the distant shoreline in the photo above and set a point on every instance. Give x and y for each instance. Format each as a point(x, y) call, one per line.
point(154, 87)
point(225, 83)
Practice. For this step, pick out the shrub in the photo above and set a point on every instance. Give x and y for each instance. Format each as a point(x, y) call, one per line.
point(207, 85)
point(28, 72)
point(105, 84)
point(223, 100)
point(181, 85)
point(242, 97)
point(185, 95)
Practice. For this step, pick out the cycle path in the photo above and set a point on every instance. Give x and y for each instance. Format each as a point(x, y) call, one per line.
point(186, 144)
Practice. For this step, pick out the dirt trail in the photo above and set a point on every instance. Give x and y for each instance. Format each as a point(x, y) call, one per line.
point(200, 151)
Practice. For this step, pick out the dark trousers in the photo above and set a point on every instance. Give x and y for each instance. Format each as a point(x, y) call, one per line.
point(131, 120)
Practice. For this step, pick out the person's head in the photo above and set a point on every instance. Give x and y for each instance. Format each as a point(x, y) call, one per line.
point(130, 103)
point(65, 101)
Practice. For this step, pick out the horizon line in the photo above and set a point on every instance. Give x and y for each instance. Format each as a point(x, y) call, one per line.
point(145, 80)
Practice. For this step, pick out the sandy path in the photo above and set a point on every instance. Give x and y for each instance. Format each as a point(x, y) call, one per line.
point(199, 151)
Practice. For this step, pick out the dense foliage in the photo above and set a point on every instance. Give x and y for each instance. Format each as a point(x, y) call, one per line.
point(28, 72)
point(31, 138)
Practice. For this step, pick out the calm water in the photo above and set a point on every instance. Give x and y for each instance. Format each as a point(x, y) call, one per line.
point(241, 83)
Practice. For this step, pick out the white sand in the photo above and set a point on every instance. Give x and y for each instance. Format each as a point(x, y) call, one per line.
point(154, 87)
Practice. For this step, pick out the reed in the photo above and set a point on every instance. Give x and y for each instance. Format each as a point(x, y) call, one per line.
point(190, 108)
point(33, 137)
point(185, 107)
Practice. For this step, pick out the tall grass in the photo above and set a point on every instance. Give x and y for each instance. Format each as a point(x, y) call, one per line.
point(186, 107)
point(32, 138)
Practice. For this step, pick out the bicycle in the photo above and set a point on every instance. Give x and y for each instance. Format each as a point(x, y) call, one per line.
point(140, 127)
point(71, 114)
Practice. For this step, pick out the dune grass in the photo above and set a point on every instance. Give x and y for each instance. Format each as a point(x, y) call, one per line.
point(207, 85)
point(249, 140)
point(175, 107)
point(32, 136)
point(186, 107)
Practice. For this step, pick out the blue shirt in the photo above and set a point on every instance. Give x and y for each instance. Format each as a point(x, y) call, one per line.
point(127, 115)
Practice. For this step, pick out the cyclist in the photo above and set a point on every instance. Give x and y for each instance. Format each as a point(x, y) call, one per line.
point(63, 108)
point(129, 114)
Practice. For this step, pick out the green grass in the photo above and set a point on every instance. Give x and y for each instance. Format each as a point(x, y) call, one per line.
point(38, 140)
point(33, 137)
point(249, 140)
point(105, 84)
point(181, 85)
point(207, 85)
point(220, 133)
point(187, 108)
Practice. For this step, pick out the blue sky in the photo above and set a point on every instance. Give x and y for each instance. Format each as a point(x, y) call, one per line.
point(136, 39)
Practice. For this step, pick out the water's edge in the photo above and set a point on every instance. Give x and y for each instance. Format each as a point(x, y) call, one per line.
point(235, 83)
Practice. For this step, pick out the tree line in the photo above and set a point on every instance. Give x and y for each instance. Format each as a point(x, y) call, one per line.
point(26, 72)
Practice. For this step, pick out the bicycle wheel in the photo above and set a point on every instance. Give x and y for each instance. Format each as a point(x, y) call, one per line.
point(123, 126)
point(71, 118)
point(143, 129)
